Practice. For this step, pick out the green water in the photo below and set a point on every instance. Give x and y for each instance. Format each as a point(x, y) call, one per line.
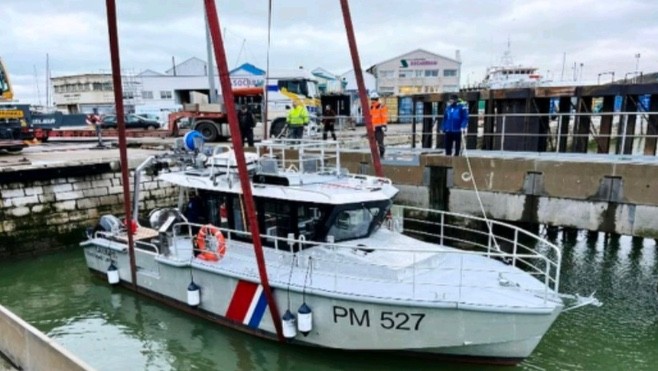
point(112, 329)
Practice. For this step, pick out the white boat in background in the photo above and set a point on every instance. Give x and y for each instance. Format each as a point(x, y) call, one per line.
point(348, 269)
point(508, 75)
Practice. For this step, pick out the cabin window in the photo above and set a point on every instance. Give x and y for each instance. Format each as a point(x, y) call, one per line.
point(308, 221)
point(294, 86)
point(353, 223)
point(276, 218)
point(238, 213)
point(216, 210)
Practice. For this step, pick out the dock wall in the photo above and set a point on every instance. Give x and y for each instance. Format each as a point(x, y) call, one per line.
point(595, 194)
point(29, 349)
point(47, 209)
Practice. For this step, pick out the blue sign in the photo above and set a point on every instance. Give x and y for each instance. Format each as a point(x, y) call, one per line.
point(618, 101)
point(643, 104)
point(406, 109)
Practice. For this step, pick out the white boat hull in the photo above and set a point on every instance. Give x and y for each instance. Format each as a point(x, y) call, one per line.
point(339, 323)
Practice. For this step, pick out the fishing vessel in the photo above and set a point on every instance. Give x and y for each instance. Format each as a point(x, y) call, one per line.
point(348, 269)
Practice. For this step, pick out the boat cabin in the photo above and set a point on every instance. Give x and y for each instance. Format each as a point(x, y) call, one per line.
point(303, 194)
point(279, 218)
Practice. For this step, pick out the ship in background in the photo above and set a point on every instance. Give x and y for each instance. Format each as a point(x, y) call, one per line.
point(508, 75)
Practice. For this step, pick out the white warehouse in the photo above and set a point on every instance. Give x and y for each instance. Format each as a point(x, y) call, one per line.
point(417, 72)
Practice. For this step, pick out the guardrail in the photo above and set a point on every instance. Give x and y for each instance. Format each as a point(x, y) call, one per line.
point(630, 133)
point(464, 235)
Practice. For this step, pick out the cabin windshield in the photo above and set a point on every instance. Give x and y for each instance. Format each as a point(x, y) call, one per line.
point(358, 220)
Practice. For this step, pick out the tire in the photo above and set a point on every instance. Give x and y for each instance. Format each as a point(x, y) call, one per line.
point(279, 128)
point(150, 127)
point(207, 130)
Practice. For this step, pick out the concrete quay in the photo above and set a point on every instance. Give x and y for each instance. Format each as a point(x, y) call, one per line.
point(50, 193)
point(22, 347)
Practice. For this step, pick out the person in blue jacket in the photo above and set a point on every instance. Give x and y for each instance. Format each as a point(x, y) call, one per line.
point(455, 121)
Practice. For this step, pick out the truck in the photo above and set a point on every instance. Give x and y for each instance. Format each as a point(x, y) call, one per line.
point(283, 89)
point(13, 124)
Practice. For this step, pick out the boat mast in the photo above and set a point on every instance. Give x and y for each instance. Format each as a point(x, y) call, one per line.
point(358, 73)
point(229, 103)
point(118, 102)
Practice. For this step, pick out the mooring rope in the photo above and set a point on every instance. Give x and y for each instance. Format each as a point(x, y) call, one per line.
point(477, 193)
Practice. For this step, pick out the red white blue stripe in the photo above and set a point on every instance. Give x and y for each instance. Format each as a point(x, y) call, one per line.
point(248, 304)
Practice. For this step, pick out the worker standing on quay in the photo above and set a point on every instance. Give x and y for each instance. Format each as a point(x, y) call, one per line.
point(379, 116)
point(455, 122)
point(247, 123)
point(328, 122)
point(297, 118)
point(95, 119)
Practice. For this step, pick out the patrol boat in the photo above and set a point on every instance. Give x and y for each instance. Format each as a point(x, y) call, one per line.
point(348, 269)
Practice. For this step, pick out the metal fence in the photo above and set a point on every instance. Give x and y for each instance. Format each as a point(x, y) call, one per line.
point(614, 133)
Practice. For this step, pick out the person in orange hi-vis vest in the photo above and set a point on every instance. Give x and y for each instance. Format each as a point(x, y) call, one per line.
point(379, 114)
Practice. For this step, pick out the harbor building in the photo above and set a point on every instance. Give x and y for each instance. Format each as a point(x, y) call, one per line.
point(83, 92)
point(159, 93)
point(147, 91)
point(417, 72)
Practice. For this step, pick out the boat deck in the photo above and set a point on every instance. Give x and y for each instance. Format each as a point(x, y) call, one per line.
point(433, 276)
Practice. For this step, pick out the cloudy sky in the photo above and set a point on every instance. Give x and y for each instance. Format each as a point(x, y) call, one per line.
point(600, 35)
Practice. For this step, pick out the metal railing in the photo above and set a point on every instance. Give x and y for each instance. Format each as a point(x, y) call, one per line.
point(613, 133)
point(443, 237)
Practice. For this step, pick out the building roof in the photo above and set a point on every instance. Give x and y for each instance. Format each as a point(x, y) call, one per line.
point(149, 73)
point(349, 78)
point(82, 75)
point(190, 67)
point(415, 51)
point(325, 74)
point(249, 68)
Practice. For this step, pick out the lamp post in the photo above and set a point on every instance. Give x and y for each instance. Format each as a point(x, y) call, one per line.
point(634, 74)
point(637, 62)
point(637, 66)
point(598, 81)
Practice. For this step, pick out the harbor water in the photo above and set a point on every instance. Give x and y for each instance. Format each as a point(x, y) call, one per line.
point(111, 328)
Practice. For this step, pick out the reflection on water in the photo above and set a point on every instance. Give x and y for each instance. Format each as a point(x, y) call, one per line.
point(622, 334)
point(111, 328)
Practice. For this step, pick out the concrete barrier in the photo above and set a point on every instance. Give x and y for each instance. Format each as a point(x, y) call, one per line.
point(29, 349)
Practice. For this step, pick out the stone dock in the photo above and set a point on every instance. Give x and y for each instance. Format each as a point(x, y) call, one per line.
point(49, 195)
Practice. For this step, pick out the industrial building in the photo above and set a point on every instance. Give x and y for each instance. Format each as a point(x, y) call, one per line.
point(416, 72)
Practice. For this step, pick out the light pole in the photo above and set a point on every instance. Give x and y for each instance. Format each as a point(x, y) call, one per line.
point(634, 74)
point(637, 65)
point(598, 80)
point(637, 62)
point(581, 72)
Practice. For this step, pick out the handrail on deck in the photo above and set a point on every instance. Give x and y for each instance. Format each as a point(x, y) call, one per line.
point(544, 266)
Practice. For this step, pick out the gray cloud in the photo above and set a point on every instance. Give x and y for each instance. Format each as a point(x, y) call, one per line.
point(603, 36)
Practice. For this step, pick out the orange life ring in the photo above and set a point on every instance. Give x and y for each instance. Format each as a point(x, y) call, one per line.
point(211, 235)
